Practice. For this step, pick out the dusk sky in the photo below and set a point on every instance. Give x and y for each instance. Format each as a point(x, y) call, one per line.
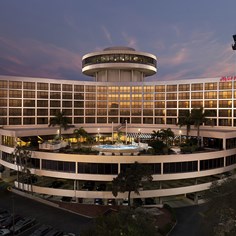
point(47, 38)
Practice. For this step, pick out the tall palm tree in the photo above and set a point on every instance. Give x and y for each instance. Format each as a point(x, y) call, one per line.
point(60, 120)
point(186, 121)
point(198, 117)
point(22, 158)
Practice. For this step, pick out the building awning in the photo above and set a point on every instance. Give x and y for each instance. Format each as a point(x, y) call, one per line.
point(141, 136)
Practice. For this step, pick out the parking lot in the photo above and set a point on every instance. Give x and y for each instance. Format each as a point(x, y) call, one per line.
point(44, 214)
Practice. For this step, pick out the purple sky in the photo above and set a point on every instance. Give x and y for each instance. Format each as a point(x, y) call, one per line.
point(47, 38)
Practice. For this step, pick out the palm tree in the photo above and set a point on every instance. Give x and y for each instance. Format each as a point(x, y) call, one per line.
point(81, 132)
point(90, 139)
point(155, 134)
point(198, 117)
point(22, 158)
point(186, 121)
point(60, 120)
point(166, 134)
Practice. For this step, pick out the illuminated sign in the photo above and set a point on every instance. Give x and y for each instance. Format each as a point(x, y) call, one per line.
point(227, 78)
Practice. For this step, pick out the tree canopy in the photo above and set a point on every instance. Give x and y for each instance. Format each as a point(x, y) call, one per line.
point(126, 222)
point(81, 132)
point(198, 117)
point(221, 208)
point(60, 120)
point(187, 121)
point(129, 180)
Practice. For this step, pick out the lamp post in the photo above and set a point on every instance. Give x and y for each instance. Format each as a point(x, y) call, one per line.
point(180, 133)
point(112, 132)
point(98, 135)
point(125, 131)
point(139, 134)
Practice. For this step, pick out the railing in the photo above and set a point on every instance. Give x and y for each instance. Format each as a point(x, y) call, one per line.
point(119, 127)
point(52, 146)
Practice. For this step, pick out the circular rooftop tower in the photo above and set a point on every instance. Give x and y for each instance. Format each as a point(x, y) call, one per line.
point(119, 64)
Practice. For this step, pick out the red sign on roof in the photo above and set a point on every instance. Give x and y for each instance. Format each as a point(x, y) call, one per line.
point(227, 78)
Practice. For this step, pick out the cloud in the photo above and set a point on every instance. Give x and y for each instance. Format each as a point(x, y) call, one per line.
point(107, 34)
point(28, 57)
point(200, 55)
point(131, 41)
point(176, 30)
point(180, 57)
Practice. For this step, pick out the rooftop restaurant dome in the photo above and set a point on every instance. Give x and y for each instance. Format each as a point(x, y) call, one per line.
point(119, 64)
point(118, 48)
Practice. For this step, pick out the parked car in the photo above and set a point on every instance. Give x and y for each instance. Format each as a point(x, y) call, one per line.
point(8, 222)
point(125, 202)
point(89, 185)
point(4, 232)
point(41, 231)
point(98, 201)
point(111, 202)
point(22, 225)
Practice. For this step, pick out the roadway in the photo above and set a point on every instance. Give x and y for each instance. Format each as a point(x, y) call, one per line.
point(191, 221)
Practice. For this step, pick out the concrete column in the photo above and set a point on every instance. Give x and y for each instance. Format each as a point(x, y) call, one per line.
point(224, 143)
point(75, 188)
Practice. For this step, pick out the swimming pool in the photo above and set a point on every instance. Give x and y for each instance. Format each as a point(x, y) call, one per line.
point(120, 148)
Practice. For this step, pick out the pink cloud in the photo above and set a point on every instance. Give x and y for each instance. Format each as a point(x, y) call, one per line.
point(34, 58)
point(178, 58)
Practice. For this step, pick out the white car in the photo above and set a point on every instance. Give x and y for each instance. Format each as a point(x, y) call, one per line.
point(5, 232)
point(125, 202)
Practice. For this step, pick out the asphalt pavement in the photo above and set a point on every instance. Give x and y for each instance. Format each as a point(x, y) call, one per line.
point(190, 221)
point(44, 214)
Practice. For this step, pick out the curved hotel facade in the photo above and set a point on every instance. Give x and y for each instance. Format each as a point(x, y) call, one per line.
point(119, 99)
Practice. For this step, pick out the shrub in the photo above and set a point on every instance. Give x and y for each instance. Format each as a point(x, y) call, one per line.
point(159, 147)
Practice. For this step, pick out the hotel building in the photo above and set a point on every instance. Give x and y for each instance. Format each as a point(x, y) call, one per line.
point(119, 99)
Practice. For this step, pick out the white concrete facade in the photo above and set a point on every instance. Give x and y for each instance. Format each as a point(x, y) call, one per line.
point(119, 95)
